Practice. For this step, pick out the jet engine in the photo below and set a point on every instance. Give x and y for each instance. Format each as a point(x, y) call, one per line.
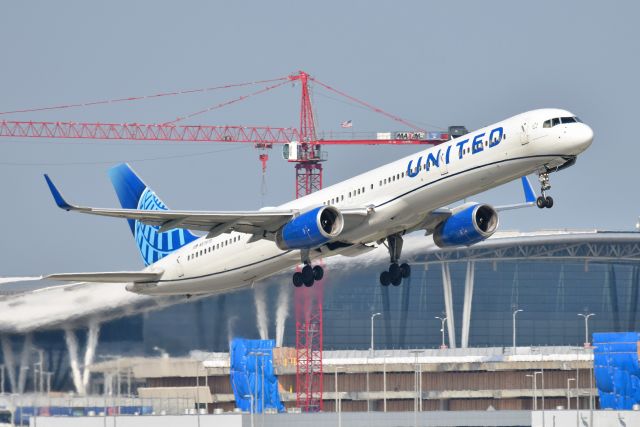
point(466, 227)
point(310, 229)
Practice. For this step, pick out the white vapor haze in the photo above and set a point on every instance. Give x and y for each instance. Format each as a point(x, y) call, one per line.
point(261, 312)
point(282, 312)
point(230, 327)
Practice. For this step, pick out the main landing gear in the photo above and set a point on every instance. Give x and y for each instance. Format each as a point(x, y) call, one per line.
point(396, 272)
point(544, 201)
point(308, 274)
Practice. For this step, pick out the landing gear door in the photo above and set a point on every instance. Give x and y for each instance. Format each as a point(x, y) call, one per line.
point(524, 133)
point(444, 169)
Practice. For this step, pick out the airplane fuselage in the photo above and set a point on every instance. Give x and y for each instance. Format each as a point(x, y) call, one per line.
point(400, 196)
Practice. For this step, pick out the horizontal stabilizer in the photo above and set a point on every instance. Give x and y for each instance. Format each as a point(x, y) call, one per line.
point(529, 198)
point(108, 277)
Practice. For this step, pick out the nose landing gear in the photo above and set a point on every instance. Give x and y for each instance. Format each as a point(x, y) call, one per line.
point(544, 201)
point(396, 272)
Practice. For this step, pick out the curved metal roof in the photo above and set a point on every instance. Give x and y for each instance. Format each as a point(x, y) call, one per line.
point(79, 303)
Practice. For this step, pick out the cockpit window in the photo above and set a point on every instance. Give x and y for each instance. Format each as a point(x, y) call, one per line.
point(553, 122)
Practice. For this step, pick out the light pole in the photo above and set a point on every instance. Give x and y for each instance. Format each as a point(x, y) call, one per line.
point(569, 391)
point(2, 378)
point(442, 326)
point(384, 381)
point(586, 316)
point(373, 316)
point(198, 392)
point(514, 328)
point(534, 381)
point(338, 402)
point(417, 383)
point(335, 386)
point(257, 354)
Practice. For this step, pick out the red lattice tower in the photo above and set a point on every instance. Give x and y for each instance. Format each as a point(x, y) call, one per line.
point(308, 301)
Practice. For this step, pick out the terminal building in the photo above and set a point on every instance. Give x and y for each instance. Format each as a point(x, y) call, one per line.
point(551, 276)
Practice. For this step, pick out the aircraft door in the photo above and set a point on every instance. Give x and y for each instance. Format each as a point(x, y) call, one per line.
point(444, 169)
point(524, 133)
point(179, 266)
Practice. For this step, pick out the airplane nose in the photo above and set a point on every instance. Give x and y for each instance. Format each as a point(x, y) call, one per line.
point(583, 137)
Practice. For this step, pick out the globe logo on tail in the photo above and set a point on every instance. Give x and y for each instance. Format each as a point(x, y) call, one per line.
point(153, 245)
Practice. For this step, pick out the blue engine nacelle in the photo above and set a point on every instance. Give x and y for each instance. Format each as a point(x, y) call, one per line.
point(470, 225)
point(311, 229)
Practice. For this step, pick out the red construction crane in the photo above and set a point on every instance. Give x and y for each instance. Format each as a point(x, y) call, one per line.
point(303, 147)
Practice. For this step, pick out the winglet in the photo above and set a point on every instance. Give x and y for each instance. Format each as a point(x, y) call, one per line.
point(529, 194)
point(60, 201)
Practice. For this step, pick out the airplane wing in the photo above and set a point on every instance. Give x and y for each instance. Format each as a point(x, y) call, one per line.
point(259, 223)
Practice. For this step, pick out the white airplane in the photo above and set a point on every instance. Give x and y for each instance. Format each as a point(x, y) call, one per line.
point(347, 218)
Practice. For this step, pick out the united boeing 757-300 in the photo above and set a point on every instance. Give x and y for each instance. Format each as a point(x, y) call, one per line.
point(236, 249)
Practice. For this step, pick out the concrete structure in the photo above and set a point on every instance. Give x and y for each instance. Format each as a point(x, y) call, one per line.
point(399, 419)
point(396, 380)
point(586, 418)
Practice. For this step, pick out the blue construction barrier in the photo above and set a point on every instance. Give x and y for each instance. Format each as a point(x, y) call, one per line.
point(252, 375)
point(616, 369)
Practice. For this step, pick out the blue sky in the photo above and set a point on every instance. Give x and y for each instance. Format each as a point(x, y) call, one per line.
point(435, 63)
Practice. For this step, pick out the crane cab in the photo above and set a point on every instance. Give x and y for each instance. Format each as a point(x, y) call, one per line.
point(291, 151)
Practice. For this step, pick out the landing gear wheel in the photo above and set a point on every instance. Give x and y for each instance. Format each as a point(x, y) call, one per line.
point(297, 279)
point(394, 270)
point(405, 270)
point(307, 275)
point(541, 202)
point(396, 281)
point(395, 273)
point(548, 202)
point(385, 278)
point(318, 272)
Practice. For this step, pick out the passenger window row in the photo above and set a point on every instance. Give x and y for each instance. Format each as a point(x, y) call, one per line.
point(212, 248)
point(359, 191)
point(350, 194)
point(391, 179)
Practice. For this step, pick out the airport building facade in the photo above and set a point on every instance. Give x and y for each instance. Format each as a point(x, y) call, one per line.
point(551, 276)
point(551, 280)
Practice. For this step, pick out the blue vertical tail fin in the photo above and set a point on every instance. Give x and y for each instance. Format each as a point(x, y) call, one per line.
point(133, 193)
